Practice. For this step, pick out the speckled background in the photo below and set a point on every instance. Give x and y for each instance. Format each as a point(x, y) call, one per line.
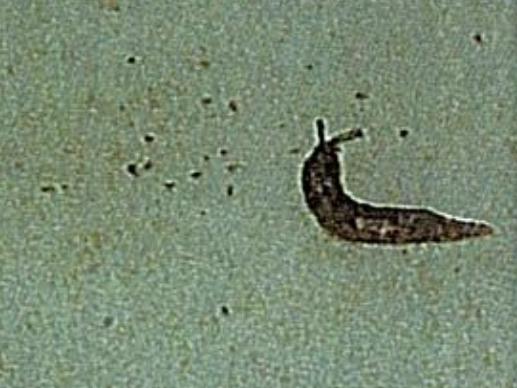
point(127, 261)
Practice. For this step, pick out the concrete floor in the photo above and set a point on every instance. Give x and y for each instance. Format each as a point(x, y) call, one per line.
point(126, 260)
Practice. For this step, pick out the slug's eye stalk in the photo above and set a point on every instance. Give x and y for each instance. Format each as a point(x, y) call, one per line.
point(319, 126)
point(348, 135)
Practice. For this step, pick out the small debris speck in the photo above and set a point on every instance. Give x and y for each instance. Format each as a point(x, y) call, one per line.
point(132, 169)
point(206, 100)
point(110, 5)
point(204, 63)
point(149, 137)
point(229, 190)
point(169, 184)
point(148, 164)
point(108, 321)
point(48, 189)
point(196, 174)
point(232, 104)
point(361, 96)
point(233, 166)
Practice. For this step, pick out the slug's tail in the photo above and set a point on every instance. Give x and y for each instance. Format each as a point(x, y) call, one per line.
point(459, 230)
point(405, 226)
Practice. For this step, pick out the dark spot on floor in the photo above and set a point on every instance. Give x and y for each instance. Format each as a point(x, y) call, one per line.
point(110, 5)
point(403, 133)
point(404, 251)
point(204, 63)
point(108, 321)
point(309, 66)
point(206, 100)
point(48, 189)
point(131, 60)
point(223, 152)
point(196, 174)
point(18, 164)
point(457, 269)
point(121, 107)
point(206, 158)
point(232, 104)
point(233, 166)
point(203, 212)
point(225, 310)
point(361, 96)
point(90, 100)
point(169, 184)
point(478, 38)
point(148, 164)
point(64, 186)
point(512, 144)
point(229, 190)
point(149, 137)
point(294, 150)
point(132, 169)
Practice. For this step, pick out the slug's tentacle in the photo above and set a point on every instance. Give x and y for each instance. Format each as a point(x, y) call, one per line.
point(340, 214)
point(343, 137)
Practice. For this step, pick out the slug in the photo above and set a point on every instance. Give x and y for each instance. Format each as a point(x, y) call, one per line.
point(348, 218)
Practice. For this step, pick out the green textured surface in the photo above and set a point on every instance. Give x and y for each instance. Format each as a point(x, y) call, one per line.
point(115, 281)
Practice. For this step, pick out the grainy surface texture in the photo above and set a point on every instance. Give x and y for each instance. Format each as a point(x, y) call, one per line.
point(153, 229)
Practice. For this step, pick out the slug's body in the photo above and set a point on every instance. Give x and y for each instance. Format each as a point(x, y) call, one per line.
point(349, 219)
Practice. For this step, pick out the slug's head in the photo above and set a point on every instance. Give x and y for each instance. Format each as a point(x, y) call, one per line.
point(331, 145)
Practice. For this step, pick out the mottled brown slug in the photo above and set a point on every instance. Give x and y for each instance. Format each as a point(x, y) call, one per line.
point(348, 218)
